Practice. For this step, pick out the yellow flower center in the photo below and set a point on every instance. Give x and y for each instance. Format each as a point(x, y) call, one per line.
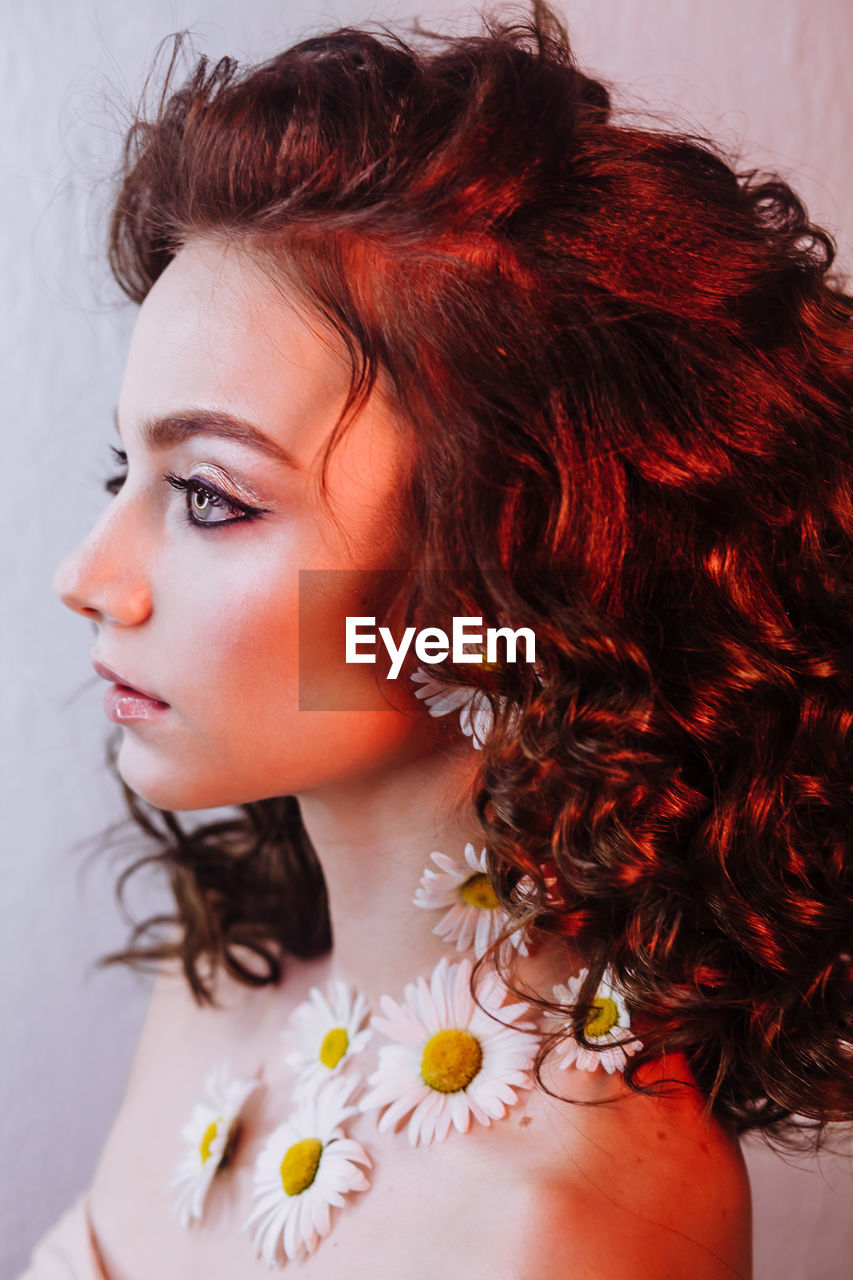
point(334, 1046)
point(299, 1166)
point(602, 1016)
point(207, 1140)
point(477, 892)
point(450, 1060)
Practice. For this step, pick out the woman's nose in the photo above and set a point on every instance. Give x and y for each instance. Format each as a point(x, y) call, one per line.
point(104, 577)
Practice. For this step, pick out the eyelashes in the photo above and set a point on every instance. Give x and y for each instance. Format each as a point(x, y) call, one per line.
point(202, 499)
point(113, 483)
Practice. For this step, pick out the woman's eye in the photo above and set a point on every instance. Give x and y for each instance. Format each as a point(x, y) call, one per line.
point(205, 506)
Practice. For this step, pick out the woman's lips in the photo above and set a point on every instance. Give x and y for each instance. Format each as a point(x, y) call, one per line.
point(124, 701)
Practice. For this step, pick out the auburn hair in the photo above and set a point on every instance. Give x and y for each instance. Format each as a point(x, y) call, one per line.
point(628, 371)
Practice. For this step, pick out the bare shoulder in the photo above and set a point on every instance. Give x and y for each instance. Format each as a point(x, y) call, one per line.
point(180, 1040)
point(130, 1200)
point(632, 1186)
point(162, 1074)
point(636, 1187)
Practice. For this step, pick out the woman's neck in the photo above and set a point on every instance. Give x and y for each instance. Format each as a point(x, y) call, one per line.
point(374, 840)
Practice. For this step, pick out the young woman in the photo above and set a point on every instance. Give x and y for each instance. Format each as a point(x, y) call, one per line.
point(496, 959)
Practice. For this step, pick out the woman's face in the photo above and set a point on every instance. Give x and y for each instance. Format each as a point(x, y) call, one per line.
point(206, 616)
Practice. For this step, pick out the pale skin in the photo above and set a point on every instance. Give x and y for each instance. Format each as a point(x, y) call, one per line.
point(207, 621)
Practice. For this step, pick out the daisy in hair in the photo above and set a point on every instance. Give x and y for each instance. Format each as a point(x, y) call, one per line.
point(450, 1062)
point(473, 915)
point(208, 1133)
point(304, 1170)
point(608, 1024)
point(476, 719)
point(328, 1031)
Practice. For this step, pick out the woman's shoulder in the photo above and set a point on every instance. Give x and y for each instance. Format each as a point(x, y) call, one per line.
point(583, 1190)
point(68, 1250)
point(639, 1186)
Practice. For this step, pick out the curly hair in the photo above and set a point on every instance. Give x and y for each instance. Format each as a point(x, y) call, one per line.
point(629, 370)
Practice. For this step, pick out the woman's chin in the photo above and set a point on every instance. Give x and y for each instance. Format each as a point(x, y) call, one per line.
point(181, 774)
point(176, 788)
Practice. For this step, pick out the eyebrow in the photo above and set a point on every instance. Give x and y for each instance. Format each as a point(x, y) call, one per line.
point(175, 428)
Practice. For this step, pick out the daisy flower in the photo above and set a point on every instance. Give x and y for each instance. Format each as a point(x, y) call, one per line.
point(450, 1061)
point(473, 914)
point(305, 1169)
point(330, 1031)
point(475, 711)
point(209, 1133)
point(608, 1024)
point(476, 718)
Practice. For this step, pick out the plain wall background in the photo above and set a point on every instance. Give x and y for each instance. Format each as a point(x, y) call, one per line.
point(772, 77)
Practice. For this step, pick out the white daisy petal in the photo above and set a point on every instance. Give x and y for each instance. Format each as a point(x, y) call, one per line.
point(439, 999)
point(482, 933)
point(476, 719)
point(289, 1237)
point(473, 916)
point(327, 1032)
point(322, 1217)
point(208, 1134)
point(424, 1008)
point(301, 1172)
point(447, 864)
point(449, 700)
point(401, 1107)
point(473, 859)
point(609, 1027)
point(460, 1111)
point(461, 998)
point(463, 1066)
